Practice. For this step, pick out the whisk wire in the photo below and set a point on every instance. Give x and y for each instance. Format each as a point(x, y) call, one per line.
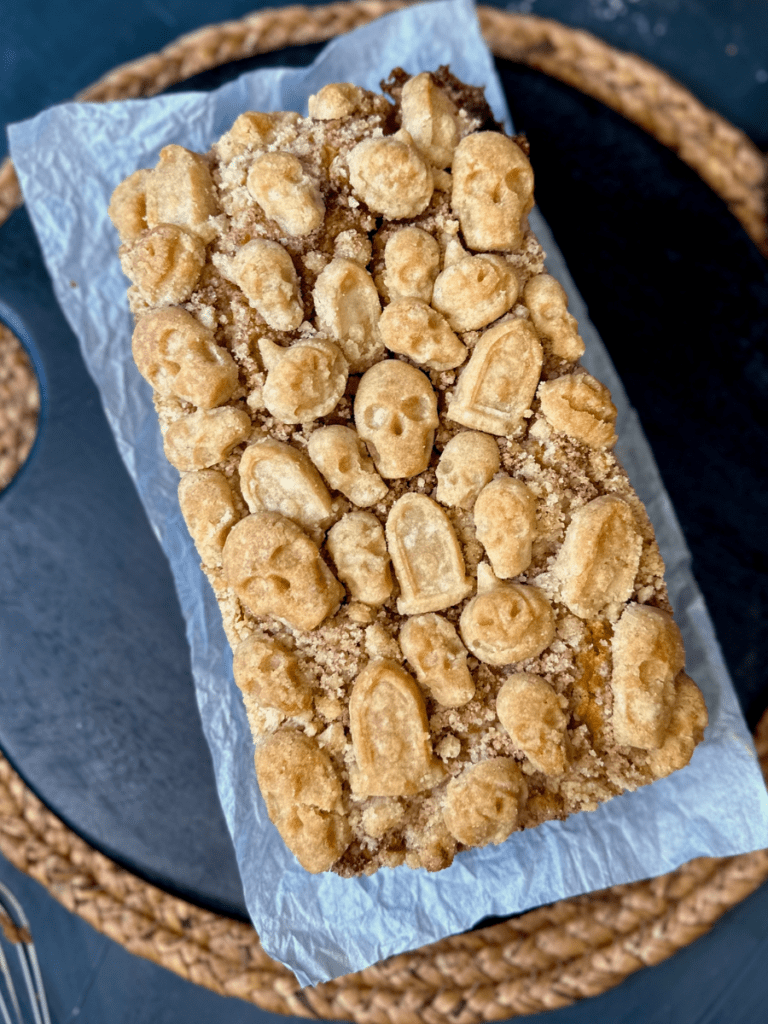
point(6, 972)
point(30, 966)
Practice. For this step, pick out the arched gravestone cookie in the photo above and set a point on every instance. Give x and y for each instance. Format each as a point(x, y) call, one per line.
point(382, 319)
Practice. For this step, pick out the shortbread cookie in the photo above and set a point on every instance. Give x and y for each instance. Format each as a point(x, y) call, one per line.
point(445, 601)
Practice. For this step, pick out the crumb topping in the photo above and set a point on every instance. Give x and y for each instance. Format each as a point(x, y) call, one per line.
point(445, 600)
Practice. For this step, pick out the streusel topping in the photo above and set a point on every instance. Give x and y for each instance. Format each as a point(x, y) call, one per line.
point(445, 600)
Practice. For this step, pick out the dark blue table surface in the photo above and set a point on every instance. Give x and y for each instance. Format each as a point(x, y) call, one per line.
point(97, 708)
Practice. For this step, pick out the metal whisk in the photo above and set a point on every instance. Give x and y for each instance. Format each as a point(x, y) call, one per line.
point(16, 930)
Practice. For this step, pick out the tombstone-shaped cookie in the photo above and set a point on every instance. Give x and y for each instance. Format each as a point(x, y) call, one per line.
point(390, 733)
point(275, 569)
point(426, 556)
point(497, 385)
point(348, 308)
point(302, 791)
point(276, 477)
point(598, 561)
point(396, 415)
point(439, 659)
point(508, 622)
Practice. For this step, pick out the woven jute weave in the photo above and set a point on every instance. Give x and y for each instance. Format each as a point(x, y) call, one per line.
point(546, 958)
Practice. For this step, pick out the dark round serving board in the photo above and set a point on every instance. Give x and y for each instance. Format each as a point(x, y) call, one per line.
point(97, 704)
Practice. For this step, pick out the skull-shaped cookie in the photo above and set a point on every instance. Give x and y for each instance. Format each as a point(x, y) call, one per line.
point(302, 791)
point(685, 729)
point(179, 356)
point(412, 328)
point(530, 710)
point(275, 569)
point(412, 262)
point(348, 308)
point(600, 556)
point(648, 655)
point(439, 658)
point(265, 273)
point(507, 623)
point(469, 462)
point(180, 191)
point(482, 805)
point(205, 437)
point(128, 206)
point(270, 676)
point(580, 406)
point(505, 523)
point(208, 506)
point(305, 380)
point(548, 303)
point(358, 548)
point(341, 457)
point(396, 415)
point(492, 191)
point(286, 193)
point(429, 117)
point(164, 264)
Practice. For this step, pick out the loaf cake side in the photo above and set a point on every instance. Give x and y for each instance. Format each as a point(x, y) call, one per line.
point(445, 601)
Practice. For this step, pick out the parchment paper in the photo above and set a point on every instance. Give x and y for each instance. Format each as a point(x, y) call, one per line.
point(69, 160)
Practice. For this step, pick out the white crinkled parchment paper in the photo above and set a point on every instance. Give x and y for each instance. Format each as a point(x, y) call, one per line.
point(69, 160)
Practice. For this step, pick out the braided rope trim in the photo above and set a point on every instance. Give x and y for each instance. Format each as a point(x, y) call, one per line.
point(546, 958)
point(19, 406)
point(721, 154)
point(724, 157)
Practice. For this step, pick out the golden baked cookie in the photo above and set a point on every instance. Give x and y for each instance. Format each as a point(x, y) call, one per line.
point(445, 600)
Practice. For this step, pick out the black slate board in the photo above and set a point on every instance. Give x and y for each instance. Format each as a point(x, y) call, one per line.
point(97, 706)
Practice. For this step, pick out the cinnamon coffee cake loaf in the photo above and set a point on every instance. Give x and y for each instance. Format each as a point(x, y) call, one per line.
point(445, 600)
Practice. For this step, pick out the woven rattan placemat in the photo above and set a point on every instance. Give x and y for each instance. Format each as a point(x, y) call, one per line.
point(546, 958)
